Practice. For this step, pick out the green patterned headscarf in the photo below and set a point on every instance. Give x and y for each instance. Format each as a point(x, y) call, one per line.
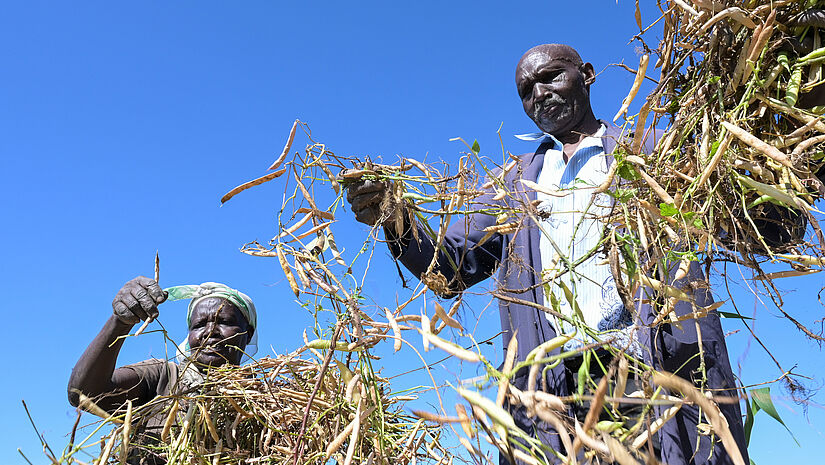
point(205, 290)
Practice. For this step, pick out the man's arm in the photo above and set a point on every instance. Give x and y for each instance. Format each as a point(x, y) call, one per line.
point(463, 257)
point(94, 374)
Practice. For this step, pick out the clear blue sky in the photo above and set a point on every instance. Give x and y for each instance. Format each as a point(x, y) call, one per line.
point(122, 124)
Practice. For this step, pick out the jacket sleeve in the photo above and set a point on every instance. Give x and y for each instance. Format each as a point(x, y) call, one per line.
point(465, 256)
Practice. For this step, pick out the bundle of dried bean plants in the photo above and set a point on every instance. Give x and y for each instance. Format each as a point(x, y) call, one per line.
point(733, 178)
point(738, 165)
point(281, 410)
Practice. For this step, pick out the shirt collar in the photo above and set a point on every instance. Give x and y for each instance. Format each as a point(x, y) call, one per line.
point(545, 137)
point(532, 136)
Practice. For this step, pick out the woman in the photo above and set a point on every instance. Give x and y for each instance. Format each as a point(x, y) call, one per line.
point(221, 324)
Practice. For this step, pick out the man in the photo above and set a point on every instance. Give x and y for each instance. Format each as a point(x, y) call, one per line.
point(221, 324)
point(554, 86)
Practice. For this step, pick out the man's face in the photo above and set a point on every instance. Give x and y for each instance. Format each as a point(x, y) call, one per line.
point(217, 332)
point(553, 89)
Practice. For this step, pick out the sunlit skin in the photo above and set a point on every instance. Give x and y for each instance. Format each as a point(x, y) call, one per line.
point(218, 332)
point(554, 86)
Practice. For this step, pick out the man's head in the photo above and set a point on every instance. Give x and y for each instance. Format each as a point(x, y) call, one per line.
point(554, 86)
point(218, 332)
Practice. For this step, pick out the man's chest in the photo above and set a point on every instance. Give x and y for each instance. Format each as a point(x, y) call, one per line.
point(569, 188)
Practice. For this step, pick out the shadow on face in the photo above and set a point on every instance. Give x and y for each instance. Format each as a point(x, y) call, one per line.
point(218, 333)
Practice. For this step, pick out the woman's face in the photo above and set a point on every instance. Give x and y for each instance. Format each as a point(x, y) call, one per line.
point(218, 332)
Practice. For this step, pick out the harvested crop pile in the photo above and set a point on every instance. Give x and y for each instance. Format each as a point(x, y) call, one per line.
point(740, 161)
point(267, 412)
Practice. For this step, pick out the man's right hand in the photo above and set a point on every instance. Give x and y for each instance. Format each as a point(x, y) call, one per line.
point(365, 197)
point(138, 300)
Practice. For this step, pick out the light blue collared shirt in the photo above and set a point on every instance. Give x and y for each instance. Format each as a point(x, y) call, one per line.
point(573, 227)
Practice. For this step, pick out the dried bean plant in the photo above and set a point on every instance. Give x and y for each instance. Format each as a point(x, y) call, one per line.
point(733, 179)
point(281, 410)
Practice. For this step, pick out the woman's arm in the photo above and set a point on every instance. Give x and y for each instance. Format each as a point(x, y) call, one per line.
point(94, 375)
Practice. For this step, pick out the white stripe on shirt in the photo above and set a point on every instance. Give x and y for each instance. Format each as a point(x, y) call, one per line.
point(571, 215)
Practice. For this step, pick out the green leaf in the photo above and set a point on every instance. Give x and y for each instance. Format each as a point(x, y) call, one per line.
point(568, 294)
point(629, 260)
point(777, 196)
point(751, 410)
point(762, 398)
point(666, 209)
point(475, 148)
point(622, 194)
point(693, 218)
point(733, 315)
point(626, 171)
point(675, 255)
point(555, 303)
